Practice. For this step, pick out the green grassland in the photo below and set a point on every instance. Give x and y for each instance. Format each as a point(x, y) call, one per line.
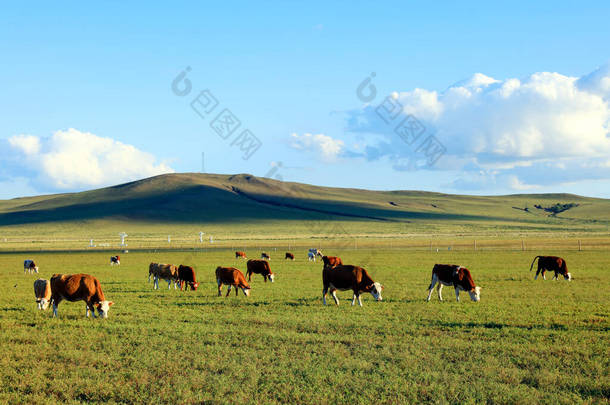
point(526, 341)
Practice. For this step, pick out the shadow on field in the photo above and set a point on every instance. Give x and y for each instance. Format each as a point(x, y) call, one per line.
point(495, 325)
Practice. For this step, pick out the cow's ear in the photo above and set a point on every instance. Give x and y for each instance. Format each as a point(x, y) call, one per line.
point(110, 303)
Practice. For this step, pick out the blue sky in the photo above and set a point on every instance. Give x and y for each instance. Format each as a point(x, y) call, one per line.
point(516, 95)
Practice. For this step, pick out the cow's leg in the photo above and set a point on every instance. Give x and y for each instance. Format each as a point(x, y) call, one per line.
point(236, 291)
point(457, 294)
point(359, 301)
point(56, 301)
point(249, 273)
point(324, 291)
point(219, 287)
point(333, 292)
point(544, 274)
point(228, 290)
point(354, 299)
point(555, 276)
point(431, 288)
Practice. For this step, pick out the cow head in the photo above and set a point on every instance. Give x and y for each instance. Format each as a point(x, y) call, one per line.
point(42, 303)
point(271, 277)
point(246, 291)
point(103, 308)
point(194, 286)
point(375, 290)
point(567, 276)
point(475, 294)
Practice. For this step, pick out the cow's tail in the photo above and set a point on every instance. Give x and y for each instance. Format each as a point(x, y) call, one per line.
point(533, 262)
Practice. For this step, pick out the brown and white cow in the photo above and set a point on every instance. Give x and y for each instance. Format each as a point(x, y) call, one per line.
point(79, 287)
point(240, 254)
point(186, 276)
point(551, 263)
point(349, 277)
point(42, 290)
point(29, 267)
point(456, 276)
point(331, 261)
point(265, 256)
point(289, 256)
point(115, 260)
point(260, 267)
point(232, 277)
point(168, 272)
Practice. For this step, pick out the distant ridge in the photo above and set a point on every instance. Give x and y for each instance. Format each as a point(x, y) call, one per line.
point(195, 197)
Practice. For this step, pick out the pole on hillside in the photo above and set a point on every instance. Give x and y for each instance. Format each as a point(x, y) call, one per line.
point(579, 246)
point(475, 245)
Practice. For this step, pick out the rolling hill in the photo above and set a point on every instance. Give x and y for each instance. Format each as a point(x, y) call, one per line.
point(241, 198)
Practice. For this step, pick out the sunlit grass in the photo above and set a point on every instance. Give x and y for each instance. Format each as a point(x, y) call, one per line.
point(526, 341)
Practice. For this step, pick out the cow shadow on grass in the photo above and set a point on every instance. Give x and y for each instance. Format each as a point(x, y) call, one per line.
point(496, 325)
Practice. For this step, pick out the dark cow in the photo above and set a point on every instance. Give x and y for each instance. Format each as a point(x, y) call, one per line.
point(551, 263)
point(289, 256)
point(349, 278)
point(29, 267)
point(79, 287)
point(259, 267)
point(331, 261)
point(265, 256)
point(186, 275)
point(232, 277)
point(115, 260)
point(240, 254)
point(456, 276)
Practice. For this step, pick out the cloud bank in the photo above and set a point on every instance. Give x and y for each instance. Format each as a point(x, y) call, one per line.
point(74, 160)
point(543, 129)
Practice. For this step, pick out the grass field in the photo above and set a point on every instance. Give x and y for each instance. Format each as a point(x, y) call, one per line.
point(525, 342)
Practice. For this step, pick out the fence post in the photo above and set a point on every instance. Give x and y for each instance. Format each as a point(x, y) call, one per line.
point(579, 247)
point(522, 245)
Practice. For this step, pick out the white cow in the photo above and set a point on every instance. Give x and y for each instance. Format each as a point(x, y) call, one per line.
point(29, 267)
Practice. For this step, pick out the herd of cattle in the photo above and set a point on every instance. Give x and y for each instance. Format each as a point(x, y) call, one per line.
point(335, 276)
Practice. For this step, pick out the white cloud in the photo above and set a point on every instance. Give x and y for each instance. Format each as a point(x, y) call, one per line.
point(72, 159)
point(327, 148)
point(27, 144)
point(508, 125)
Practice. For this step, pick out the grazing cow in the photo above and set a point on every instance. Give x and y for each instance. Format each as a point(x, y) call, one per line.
point(316, 252)
point(240, 254)
point(115, 260)
point(311, 256)
point(42, 290)
point(186, 275)
point(456, 276)
point(167, 272)
point(79, 287)
point(289, 256)
point(349, 278)
point(551, 263)
point(232, 277)
point(265, 256)
point(331, 261)
point(259, 267)
point(29, 267)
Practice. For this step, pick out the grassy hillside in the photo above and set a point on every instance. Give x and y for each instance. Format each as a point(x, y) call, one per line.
point(244, 206)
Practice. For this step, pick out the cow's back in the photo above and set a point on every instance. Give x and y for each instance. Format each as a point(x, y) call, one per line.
point(344, 276)
point(75, 287)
